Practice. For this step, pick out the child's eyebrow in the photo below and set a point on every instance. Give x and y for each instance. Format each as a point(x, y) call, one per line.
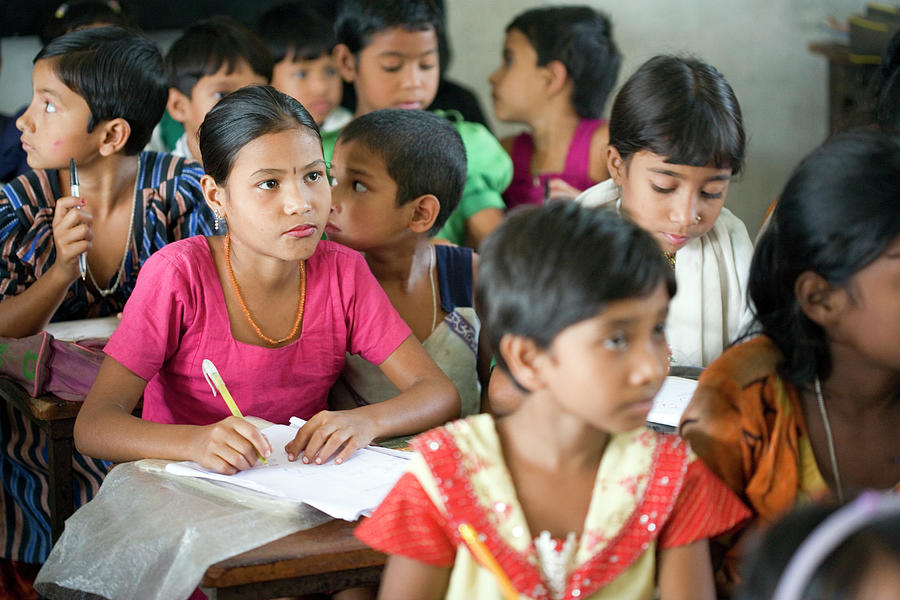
point(676, 175)
point(625, 322)
point(395, 54)
point(49, 92)
point(276, 171)
point(357, 171)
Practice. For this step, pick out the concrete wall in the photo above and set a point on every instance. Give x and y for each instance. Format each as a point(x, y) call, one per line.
point(760, 46)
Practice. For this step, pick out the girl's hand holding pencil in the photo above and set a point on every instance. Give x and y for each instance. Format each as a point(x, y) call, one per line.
point(231, 445)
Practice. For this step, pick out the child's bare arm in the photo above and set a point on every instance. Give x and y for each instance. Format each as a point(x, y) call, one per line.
point(685, 573)
point(28, 312)
point(481, 224)
point(106, 429)
point(427, 399)
point(504, 396)
point(407, 578)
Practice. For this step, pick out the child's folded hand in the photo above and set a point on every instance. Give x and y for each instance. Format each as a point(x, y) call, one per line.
point(72, 232)
point(231, 445)
point(327, 433)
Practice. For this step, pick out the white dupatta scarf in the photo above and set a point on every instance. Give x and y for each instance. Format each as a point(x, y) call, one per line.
point(710, 309)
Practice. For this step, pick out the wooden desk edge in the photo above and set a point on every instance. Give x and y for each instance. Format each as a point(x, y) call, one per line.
point(284, 558)
point(45, 408)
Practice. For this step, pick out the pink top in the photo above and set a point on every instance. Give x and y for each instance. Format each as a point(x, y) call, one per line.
point(522, 189)
point(176, 317)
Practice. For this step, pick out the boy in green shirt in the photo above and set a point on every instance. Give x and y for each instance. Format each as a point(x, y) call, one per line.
point(388, 50)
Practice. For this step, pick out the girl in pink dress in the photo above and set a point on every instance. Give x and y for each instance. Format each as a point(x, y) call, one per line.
point(271, 305)
point(559, 66)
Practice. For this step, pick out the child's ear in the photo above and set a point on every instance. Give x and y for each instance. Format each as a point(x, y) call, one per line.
point(213, 195)
point(346, 62)
point(615, 165)
point(177, 105)
point(425, 212)
point(557, 76)
point(523, 359)
point(114, 135)
point(822, 302)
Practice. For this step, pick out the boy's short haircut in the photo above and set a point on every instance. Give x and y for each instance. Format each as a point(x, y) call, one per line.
point(548, 267)
point(581, 39)
point(297, 30)
point(118, 72)
point(423, 154)
point(358, 20)
point(208, 44)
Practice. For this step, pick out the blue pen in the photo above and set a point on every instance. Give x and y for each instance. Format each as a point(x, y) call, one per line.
point(73, 184)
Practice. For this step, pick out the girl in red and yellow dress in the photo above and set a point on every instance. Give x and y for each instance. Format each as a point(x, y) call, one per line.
point(570, 496)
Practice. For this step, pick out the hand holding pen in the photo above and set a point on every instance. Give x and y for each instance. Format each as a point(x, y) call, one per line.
point(72, 230)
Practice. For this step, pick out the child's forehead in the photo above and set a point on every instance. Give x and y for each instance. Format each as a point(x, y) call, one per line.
point(225, 65)
point(403, 39)
point(631, 310)
point(357, 154)
point(44, 76)
point(299, 57)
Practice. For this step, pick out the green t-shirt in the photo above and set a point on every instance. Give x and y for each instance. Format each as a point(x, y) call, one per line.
point(489, 171)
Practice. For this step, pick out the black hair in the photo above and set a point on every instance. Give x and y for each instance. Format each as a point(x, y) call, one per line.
point(581, 39)
point(423, 154)
point(548, 267)
point(840, 574)
point(358, 20)
point(77, 14)
point(837, 214)
point(206, 45)
point(297, 30)
point(118, 72)
point(682, 109)
point(887, 95)
point(241, 117)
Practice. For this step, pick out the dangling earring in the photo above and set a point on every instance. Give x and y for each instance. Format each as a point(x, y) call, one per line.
point(216, 223)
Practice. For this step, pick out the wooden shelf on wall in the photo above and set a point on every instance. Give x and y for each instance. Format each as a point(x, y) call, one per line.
point(849, 86)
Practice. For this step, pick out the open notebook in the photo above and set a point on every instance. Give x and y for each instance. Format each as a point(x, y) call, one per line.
point(670, 402)
point(346, 491)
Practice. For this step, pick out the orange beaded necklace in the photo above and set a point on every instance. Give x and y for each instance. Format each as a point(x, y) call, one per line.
point(237, 291)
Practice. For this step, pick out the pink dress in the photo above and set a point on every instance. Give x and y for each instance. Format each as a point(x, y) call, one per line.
point(176, 317)
point(576, 172)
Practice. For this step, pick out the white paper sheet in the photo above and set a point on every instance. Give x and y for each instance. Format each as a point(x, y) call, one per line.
point(346, 491)
point(83, 329)
point(671, 401)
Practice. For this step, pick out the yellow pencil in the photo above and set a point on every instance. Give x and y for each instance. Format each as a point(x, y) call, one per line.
point(484, 556)
point(211, 374)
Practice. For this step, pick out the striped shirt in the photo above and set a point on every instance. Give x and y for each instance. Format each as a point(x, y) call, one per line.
point(169, 206)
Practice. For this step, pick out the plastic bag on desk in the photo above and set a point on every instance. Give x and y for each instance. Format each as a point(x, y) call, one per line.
point(148, 535)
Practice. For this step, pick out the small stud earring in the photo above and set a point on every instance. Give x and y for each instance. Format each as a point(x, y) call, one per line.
point(699, 218)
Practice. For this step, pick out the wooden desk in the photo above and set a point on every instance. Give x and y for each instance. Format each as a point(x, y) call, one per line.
point(312, 561)
point(57, 419)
